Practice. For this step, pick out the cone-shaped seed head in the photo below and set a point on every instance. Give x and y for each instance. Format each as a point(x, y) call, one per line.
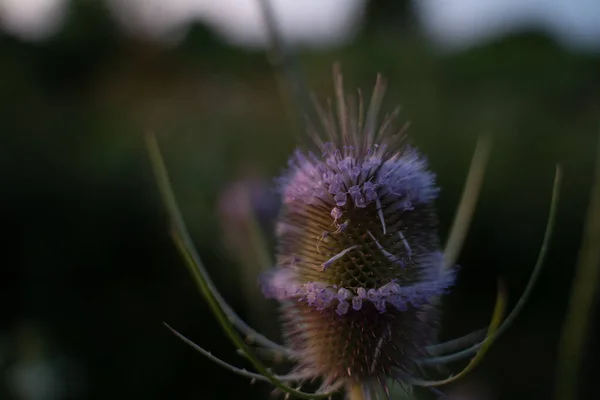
point(358, 265)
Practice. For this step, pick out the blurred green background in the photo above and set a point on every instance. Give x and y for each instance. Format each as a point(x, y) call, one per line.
point(88, 272)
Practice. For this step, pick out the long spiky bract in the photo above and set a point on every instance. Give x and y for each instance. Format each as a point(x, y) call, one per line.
point(235, 370)
point(494, 326)
point(537, 269)
point(179, 224)
point(194, 264)
point(227, 327)
point(453, 344)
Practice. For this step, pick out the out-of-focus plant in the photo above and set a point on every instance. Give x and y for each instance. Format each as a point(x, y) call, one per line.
point(246, 207)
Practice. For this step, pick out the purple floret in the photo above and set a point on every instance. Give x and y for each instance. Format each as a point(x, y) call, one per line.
point(363, 178)
point(281, 284)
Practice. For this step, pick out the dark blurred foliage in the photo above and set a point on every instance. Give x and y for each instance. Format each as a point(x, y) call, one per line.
point(88, 271)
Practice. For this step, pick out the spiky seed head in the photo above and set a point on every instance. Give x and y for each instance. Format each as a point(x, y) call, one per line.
point(358, 266)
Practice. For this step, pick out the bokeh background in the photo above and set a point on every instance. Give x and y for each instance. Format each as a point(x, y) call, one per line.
point(88, 273)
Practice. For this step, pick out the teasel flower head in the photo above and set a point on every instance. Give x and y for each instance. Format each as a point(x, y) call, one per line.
point(359, 267)
point(359, 271)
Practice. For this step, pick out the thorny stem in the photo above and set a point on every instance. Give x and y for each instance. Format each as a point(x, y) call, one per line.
point(466, 207)
point(583, 293)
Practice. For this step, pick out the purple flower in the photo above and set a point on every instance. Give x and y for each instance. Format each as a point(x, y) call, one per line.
point(359, 270)
point(359, 303)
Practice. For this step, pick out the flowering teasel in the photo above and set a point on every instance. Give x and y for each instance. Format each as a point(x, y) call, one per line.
point(360, 269)
point(359, 263)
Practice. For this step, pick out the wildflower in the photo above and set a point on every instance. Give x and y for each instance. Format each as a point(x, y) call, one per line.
point(359, 270)
point(360, 299)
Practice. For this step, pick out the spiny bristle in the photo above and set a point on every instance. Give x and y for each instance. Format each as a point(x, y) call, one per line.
point(349, 126)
